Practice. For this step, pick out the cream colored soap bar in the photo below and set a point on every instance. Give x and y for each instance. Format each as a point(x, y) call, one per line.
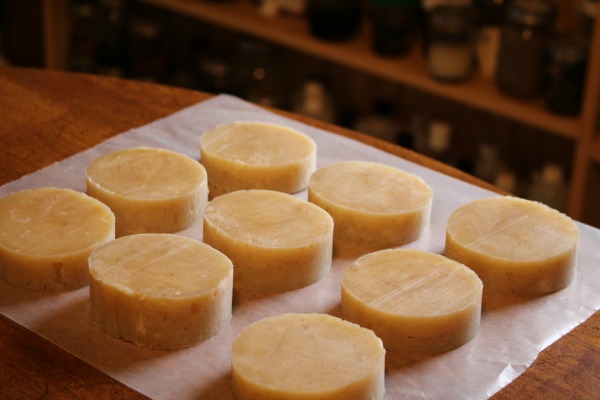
point(276, 241)
point(257, 155)
point(46, 236)
point(160, 291)
point(374, 206)
point(307, 356)
point(516, 246)
point(416, 302)
point(150, 190)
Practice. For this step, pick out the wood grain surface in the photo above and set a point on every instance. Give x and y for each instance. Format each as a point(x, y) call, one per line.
point(46, 116)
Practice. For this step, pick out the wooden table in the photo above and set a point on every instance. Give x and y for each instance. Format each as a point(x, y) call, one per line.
point(46, 116)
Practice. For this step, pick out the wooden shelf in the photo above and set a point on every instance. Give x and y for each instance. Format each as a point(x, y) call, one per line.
point(595, 150)
point(293, 33)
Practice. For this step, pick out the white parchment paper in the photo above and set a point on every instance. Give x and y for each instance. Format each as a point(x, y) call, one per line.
point(513, 330)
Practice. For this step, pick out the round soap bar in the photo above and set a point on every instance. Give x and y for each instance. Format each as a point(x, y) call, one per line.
point(416, 302)
point(150, 190)
point(374, 206)
point(276, 241)
point(516, 246)
point(257, 155)
point(161, 291)
point(307, 356)
point(47, 235)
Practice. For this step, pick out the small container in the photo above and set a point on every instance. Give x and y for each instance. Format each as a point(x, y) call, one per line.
point(566, 74)
point(393, 26)
point(525, 36)
point(450, 50)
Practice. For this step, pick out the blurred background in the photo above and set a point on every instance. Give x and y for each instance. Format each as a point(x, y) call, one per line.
point(503, 89)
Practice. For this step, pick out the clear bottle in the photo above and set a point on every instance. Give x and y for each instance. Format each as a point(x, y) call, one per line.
point(380, 123)
point(492, 14)
point(83, 35)
point(450, 48)
point(525, 37)
point(112, 55)
point(439, 141)
point(507, 181)
point(315, 101)
point(549, 187)
point(487, 164)
point(566, 73)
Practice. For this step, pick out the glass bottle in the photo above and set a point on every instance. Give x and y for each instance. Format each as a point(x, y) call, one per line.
point(112, 54)
point(566, 74)
point(393, 26)
point(492, 13)
point(525, 36)
point(450, 51)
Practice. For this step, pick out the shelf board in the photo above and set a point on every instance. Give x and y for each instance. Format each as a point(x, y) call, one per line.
point(293, 32)
point(595, 150)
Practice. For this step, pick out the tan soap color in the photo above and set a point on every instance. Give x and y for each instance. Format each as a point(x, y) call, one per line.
point(46, 236)
point(276, 241)
point(516, 246)
point(416, 302)
point(150, 190)
point(257, 155)
point(307, 356)
point(160, 291)
point(374, 206)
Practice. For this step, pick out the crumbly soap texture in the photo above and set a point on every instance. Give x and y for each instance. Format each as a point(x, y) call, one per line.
point(374, 206)
point(161, 291)
point(516, 246)
point(150, 190)
point(257, 155)
point(47, 235)
point(416, 302)
point(276, 241)
point(307, 356)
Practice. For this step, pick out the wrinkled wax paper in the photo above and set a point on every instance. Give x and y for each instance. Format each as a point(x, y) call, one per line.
point(513, 330)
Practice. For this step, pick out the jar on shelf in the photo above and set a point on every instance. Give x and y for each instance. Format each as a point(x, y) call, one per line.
point(492, 14)
point(450, 49)
point(334, 20)
point(566, 74)
point(393, 26)
point(525, 36)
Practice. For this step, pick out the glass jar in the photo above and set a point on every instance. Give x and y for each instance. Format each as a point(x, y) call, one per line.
point(393, 26)
point(566, 74)
point(450, 48)
point(525, 36)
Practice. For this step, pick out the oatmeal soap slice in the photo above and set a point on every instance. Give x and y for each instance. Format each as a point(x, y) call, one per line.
point(416, 302)
point(276, 241)
point(374, 206)
point(307, 356)
point(257, 155)
point(47, 235)
point(150, 190)
point(516, 246)
point(160, 291)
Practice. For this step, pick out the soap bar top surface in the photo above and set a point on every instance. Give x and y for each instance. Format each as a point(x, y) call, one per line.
point(160, 265)
point(307, 354)
point(257, 143)
point(512, 229)
point(371, 187)
point(146, 173)
point(412, 283)
point(268, 218)
point(46, 222)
